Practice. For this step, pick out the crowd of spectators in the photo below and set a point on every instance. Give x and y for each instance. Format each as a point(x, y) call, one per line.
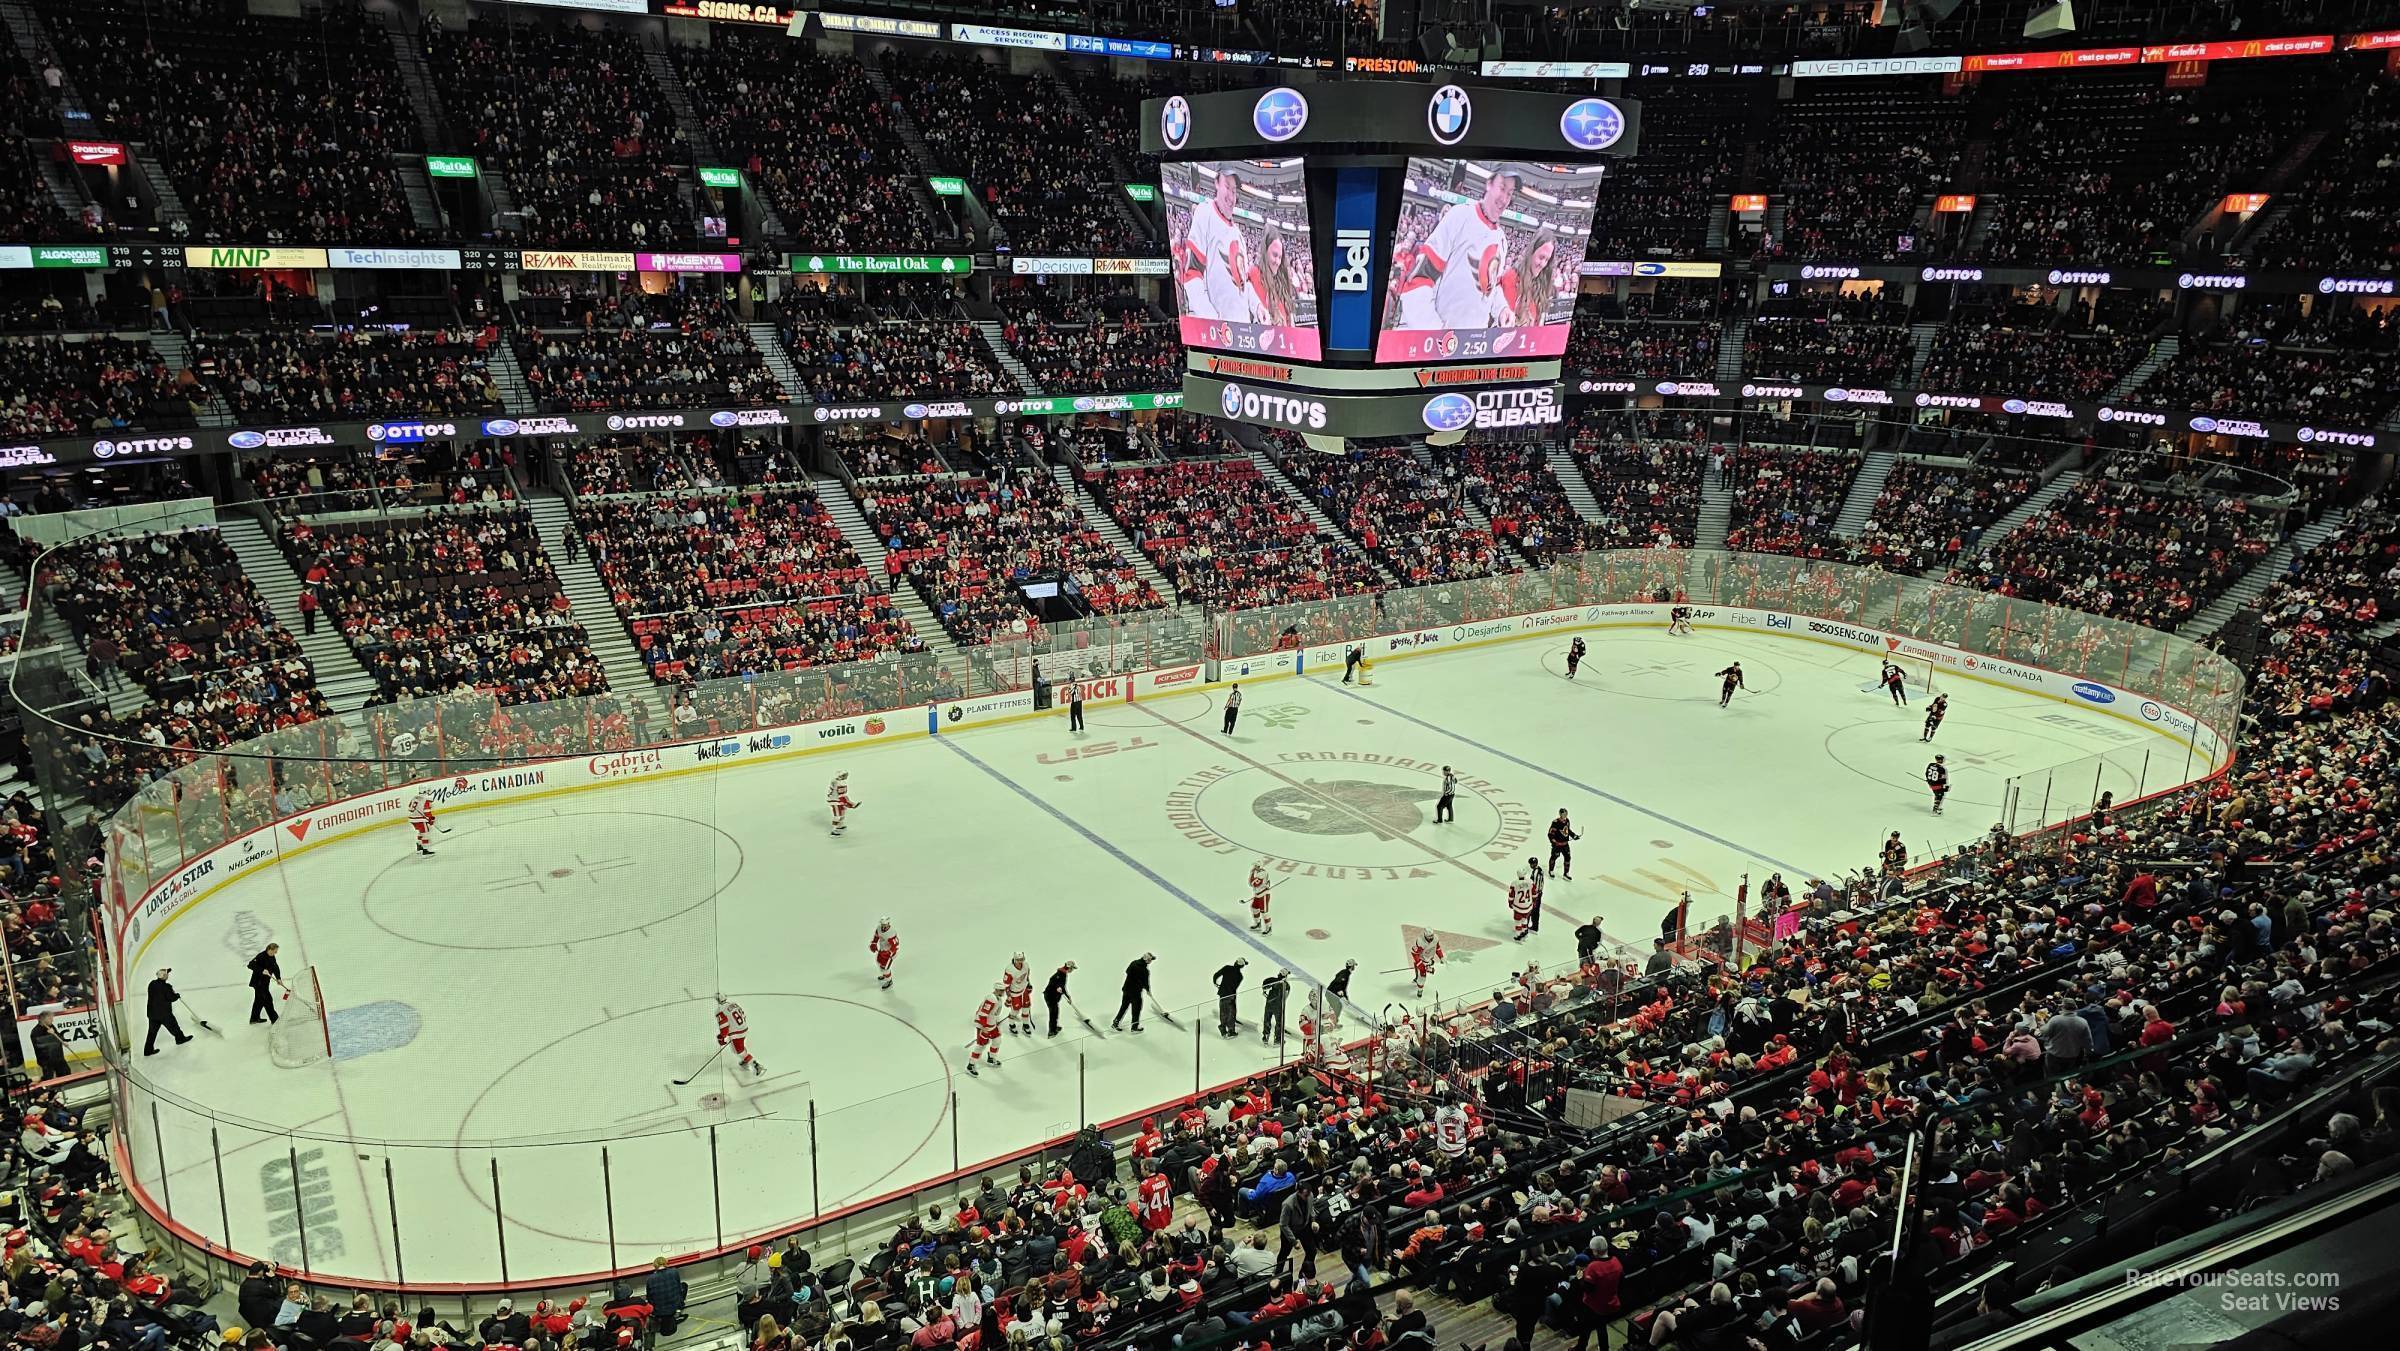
point(1786, 502)
point(60, 386)
point(1861, 340)
point(639, 463)
point(810, 129)
point(1649, 348)
point(274, 130)
point(447, 602)
point(314, 483)
point(966, 542)
point(1657, 203)
point(1646, 481)
point(2346, 216)
point(1401, 512)
point(1512, 483)
point(1129, 355)
point(320, 376)
point(716, 584)
point(705, 361)
point(2341, 388)
point(1850, 164)
point(2115, 546)
point(2314, 663)
point(1928, 512)
point(571, 120)
point(1226, 536)
point(870, 361)
point(173, 614)
point(1018, 141)
point(1988, 356)
point(885, 452)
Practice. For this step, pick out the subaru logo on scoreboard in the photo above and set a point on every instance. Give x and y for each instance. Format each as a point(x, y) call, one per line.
point(1175, 122)
point(1591, 124)
point(1449, 412)
point(1448, 114)
point(1279, 114)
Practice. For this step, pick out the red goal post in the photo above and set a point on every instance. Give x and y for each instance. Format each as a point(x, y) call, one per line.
point(301, 1036)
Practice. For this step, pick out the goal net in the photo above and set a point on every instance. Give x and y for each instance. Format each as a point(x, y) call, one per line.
point(300, 1036)
point(1916, 673)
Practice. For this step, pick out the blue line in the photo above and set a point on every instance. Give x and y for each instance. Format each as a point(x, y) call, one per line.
point(1144, 869)
point(1602, 794)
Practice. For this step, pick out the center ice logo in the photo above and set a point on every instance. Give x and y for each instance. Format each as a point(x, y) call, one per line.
point(1344, 807)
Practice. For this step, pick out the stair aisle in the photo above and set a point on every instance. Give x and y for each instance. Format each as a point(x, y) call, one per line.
point(997, 340)
point(1115, 534)
point(1570, 477)
point(1476, 516)
point(769, 342)
point(340, 678)
point(1732, 339)
point(515, 395)
point(2270, 569)
point(1864, 489)
point(2036, 503)
point(2161, 352)
point(843, 509)
point(588, 597)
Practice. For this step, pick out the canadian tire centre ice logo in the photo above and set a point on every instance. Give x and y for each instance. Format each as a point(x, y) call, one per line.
point(1449, 412)
point(1343, 807)
point(1175, 122)
point(1279, 114)
point(1448, 114)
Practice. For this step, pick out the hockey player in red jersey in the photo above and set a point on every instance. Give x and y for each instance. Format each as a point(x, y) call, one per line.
point(1424, 954)
point(987, 1030)
point(733, 1029)
point(420, 819)
point(885, 944)
point(1260, 894)
point(837, 800)
point(1017, 983)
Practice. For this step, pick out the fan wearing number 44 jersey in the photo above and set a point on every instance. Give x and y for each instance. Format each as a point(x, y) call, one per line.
point(733, 1029)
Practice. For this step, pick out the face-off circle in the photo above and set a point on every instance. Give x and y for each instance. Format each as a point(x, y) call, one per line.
point(1354, 815)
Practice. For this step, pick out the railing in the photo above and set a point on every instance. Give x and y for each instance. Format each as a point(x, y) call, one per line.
point(236, 1182)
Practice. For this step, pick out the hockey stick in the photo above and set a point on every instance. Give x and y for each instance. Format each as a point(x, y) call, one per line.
point(712, 1059)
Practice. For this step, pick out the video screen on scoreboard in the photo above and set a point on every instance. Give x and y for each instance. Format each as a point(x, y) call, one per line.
point(1238, 237)
point(1485, 259)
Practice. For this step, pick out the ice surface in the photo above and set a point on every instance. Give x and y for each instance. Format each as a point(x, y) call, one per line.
point(525, 998)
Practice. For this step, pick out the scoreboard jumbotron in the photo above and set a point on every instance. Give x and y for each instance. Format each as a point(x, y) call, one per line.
point(1376, 258)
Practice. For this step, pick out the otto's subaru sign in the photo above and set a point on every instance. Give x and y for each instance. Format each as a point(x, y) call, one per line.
point(2091, 693)
point(1592, 124)
point(1449, 412)
point(1279, 114)
point(239, 441)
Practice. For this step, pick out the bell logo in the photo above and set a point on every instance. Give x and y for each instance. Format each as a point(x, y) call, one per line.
point(1353, 260)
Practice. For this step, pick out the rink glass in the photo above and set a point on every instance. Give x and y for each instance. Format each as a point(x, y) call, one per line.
point(177, 1150)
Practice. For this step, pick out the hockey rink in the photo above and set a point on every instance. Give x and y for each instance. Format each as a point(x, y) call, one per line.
point(507, 1017)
